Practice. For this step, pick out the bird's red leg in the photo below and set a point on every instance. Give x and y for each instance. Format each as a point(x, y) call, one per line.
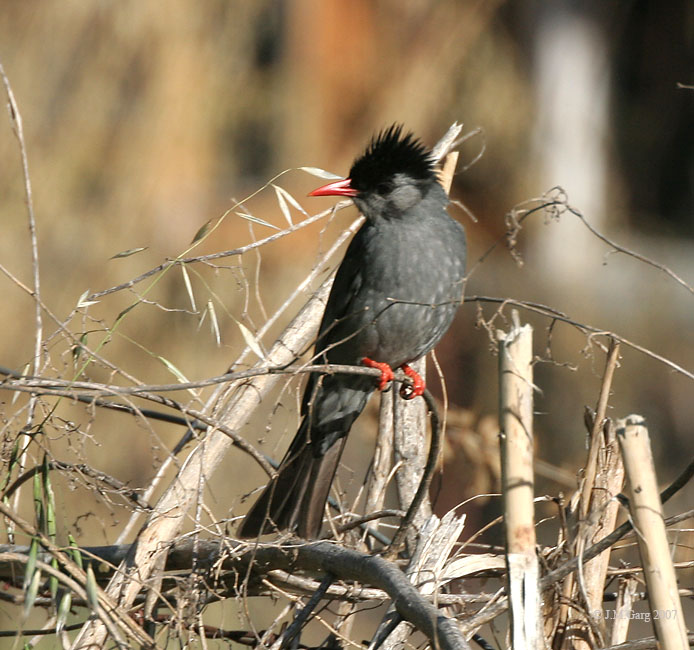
point(418, 386)
point(387, 374)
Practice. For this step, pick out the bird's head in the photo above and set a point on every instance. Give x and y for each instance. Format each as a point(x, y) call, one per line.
point(391, 176)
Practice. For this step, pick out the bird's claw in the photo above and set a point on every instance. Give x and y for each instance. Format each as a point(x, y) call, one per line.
point(387, 374)
point(416, 388)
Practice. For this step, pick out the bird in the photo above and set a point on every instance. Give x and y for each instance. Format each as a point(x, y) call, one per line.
point(394, 296)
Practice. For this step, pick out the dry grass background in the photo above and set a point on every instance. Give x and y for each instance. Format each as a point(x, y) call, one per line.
point(145, 120)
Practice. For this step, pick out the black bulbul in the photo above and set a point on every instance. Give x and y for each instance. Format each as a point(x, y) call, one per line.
point(394, 297)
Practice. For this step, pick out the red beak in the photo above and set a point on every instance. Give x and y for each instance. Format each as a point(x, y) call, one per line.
point(338, 188)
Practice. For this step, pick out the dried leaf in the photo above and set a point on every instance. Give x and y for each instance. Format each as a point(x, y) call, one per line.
point(251, 340)
point(262, 222)
point(214, 324)
point(284, 198)
point(189, 287)
point(320, 173)
point(15, 397)
point(83, 302)
point(128, 253)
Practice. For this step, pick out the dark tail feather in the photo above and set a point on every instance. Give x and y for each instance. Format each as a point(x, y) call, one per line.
point(295, 499)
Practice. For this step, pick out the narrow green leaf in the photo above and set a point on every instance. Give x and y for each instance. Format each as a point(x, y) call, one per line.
point(38, 503)
point(49, 499)
point(31, 562)
point(75, 551)
point(174, 370)
point(12, 462)
point(202, 231)
point(92, 589)
point(126, 310)
point(128, 253)
point(63, 611)
point(77, 349)
point(31, 592)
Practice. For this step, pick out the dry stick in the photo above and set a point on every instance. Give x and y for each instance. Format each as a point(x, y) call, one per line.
point(543, 310)
point(435, 541)
point(623, 610)
point(644, 644)
point(181, 558)
point(647, 513)
point(171, 510)
point(18, 128)
point(442, 632)
point(596, 443)
point(604, 508)
point(595, 438)
point(600, 521)
point(383, 456)
point(516, 435)
point(427, 474)
point(434, 545)
point(291, 632)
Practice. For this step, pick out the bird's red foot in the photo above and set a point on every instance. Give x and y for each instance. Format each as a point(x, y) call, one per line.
point(387, 374)
point(417, 388)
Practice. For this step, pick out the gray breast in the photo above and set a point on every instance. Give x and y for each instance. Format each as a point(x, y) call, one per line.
point(412, 285)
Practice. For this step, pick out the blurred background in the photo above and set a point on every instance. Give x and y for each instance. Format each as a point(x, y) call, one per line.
point(143, 121)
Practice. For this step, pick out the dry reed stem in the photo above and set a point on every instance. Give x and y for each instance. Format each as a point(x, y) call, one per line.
point(516, 433)
point(646, 511)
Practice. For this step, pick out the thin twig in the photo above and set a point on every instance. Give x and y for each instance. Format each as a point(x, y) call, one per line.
point(427, 475)
point(17, 127)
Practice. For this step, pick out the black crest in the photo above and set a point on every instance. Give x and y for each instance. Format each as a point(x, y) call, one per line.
point(390, 153)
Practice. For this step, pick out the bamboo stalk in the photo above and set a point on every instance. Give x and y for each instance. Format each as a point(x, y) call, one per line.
point(646, 511)
point(516, 421)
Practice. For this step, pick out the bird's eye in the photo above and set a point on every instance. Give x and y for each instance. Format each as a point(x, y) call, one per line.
point(384, 187)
